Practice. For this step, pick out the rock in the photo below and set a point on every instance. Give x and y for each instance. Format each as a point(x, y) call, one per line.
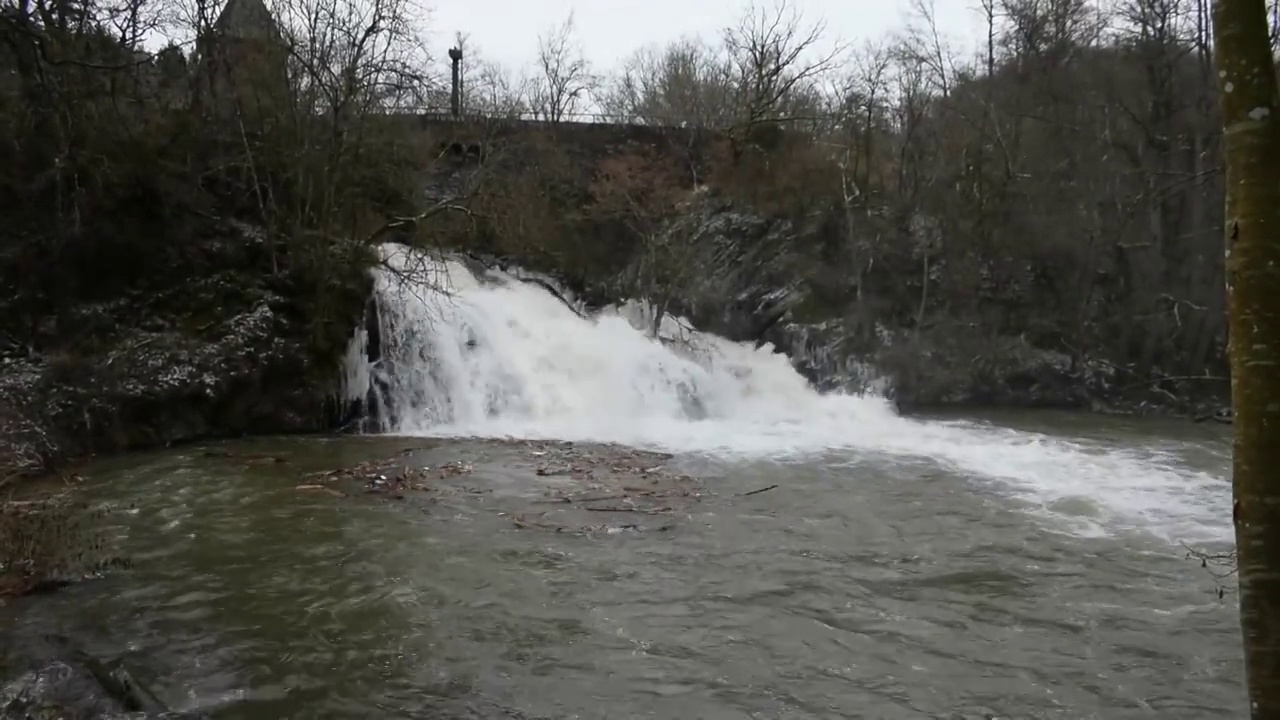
point(66, 683)
point(744, 278)
point(224, 353)
point(154, 388)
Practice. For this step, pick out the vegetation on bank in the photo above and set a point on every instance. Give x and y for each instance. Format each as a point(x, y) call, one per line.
point(1055, 189)
point(183, 199)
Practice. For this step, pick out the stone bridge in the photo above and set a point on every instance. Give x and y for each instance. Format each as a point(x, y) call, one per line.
point(474, 137)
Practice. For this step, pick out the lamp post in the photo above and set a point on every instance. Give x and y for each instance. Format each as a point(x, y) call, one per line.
point(455, 98)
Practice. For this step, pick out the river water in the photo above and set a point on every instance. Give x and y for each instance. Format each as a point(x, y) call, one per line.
point(1014, 565)
point(861, 587)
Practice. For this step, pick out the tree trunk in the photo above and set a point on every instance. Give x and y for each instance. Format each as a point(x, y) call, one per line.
point(1248, 89)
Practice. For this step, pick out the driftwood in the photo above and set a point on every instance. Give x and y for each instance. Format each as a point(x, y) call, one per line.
point(757, 492)
point(1222, 416)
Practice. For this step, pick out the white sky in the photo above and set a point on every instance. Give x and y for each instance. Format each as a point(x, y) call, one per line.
point(610, 30)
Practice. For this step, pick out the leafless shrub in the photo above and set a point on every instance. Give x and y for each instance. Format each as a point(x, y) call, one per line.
point(564, 81)
point(26, 449)
point(1221, 566)
point(687, 83)
point(53, 540)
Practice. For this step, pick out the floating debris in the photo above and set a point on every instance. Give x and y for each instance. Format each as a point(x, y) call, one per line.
point(321, 488)
point(457, 467)
point(583, 488)
point(606, 479)
point(387, 476)
point(538, 521)
point(246, 457)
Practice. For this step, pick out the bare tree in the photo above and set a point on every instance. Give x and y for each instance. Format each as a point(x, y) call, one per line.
point(777, 59)
point(564, 80)
point(863, 100)
point(356, 57)
point(685, 83)
point(858, 107)
point(298, 90)
point(497, 91)
point(1050, 31)
point(925, 45)
point(644, 190)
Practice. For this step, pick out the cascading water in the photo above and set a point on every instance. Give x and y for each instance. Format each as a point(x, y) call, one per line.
point(497, 356)
point(491, 356)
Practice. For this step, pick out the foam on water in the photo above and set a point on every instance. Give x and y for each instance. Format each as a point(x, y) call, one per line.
point(495, 357)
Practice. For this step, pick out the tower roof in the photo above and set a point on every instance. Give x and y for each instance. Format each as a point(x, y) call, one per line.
point(246, 20)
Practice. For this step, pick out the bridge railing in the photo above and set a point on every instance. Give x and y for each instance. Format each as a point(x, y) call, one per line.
point(444, 115)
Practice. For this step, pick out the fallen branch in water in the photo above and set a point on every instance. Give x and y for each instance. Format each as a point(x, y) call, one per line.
point(568, 499)
point(627, 508)
point(757, 492)
point(1211, 561)
point(1220, 416)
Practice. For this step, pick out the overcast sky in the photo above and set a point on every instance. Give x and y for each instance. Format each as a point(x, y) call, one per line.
point(610, 30)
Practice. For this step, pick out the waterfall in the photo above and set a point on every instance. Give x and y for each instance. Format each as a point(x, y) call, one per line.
point(467, 351)
point(491, 353)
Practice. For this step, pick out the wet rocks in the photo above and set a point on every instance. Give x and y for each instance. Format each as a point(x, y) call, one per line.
point(222, 345)
point(155, 388)
point(952, 365)
point(745, 276)
point(66, 683)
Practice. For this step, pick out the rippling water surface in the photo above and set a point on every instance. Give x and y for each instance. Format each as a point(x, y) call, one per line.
point(864, 585)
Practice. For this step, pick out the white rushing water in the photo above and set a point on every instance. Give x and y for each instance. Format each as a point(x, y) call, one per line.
point(496, 357)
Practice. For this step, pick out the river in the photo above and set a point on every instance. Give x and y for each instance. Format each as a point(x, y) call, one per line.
point(858, 588)
point(837, 560)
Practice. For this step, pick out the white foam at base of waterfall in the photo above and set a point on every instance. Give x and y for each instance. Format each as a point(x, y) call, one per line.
point(497, 357)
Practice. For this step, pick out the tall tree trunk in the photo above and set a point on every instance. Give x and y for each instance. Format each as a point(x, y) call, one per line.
point(1247, 85)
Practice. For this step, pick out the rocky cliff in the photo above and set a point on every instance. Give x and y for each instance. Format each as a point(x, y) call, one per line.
point(224, 351)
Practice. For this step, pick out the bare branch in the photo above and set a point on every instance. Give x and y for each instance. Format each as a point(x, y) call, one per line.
point(776, 61)
point(565, 80)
